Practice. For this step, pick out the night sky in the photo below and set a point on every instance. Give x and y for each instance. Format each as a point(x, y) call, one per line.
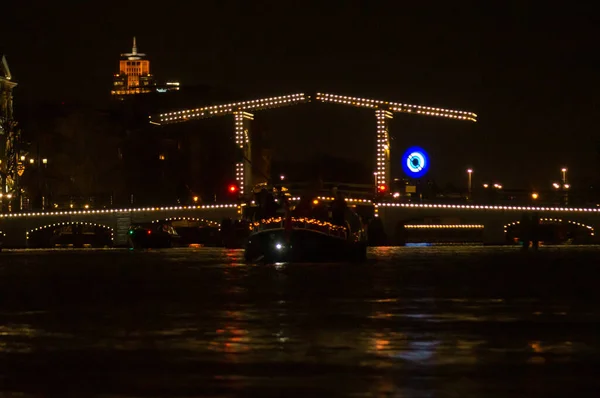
point(530, 74)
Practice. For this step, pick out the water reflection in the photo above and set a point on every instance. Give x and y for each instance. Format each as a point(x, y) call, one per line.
point(412, 322)
point(233, 338)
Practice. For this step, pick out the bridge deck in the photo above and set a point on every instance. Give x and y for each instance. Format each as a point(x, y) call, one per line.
point(221, 206)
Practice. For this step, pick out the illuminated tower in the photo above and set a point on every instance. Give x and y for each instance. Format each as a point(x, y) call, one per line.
point(10, 166)
point(134, 74)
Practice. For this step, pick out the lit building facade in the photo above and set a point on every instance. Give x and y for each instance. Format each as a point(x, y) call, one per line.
point(134, 76)
point(6, 87)
point(10, 166)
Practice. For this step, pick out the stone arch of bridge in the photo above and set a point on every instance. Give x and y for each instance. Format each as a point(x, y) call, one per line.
point(54, 226)
point(433, 221)
point(554, 220)
point(193, 219)
point(436, 227)
point(576, 230)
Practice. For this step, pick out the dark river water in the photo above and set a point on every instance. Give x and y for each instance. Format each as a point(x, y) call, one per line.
point(412, 322)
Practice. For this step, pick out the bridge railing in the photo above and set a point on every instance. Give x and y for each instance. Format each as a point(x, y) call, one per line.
point(310, 224)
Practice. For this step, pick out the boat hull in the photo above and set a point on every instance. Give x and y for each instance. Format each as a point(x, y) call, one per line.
point(302, 245)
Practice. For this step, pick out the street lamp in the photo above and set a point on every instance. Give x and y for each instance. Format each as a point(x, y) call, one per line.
point(534, 195)
point(376, 185)
point(470, 174)
point(565, 185)
point(42, 183)
point(282, 177)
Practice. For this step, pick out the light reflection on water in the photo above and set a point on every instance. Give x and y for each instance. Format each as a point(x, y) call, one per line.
point(412, 322)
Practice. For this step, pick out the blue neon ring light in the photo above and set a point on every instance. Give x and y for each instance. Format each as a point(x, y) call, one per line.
point(415, 162)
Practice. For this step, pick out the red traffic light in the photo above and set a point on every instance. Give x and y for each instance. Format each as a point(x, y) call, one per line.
point(232, 188)
point(382, 188)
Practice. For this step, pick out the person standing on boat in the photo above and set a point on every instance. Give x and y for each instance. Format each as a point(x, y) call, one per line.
point(287, 223)
point(259, 198)
point(535, 231)
point(303, 207)
point(525, 230)
point(281, 200)
point(270, 206)
point(338, 209)
point(319, 211)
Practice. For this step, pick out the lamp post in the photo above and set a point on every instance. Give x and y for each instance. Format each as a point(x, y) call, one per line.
point(564, 191)
point(470, 174)
point(41, 164)
point(565, 186)
point(376, 186)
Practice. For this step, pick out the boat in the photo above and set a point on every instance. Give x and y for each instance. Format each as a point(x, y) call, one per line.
point(306, 239)
point(178, 232)
point(234, 233)
point(194, 232)
point(152, 236)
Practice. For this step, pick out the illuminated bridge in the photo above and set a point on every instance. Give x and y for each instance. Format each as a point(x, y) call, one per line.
point(493, 222)
point(241, 112)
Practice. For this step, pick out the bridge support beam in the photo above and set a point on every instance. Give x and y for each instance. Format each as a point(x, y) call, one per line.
point(382, 149)
point(243, 168)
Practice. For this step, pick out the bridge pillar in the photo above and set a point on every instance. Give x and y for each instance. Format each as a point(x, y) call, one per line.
point(243, 168)
point(122, 222)
point(493, 232)
point(382, 149)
